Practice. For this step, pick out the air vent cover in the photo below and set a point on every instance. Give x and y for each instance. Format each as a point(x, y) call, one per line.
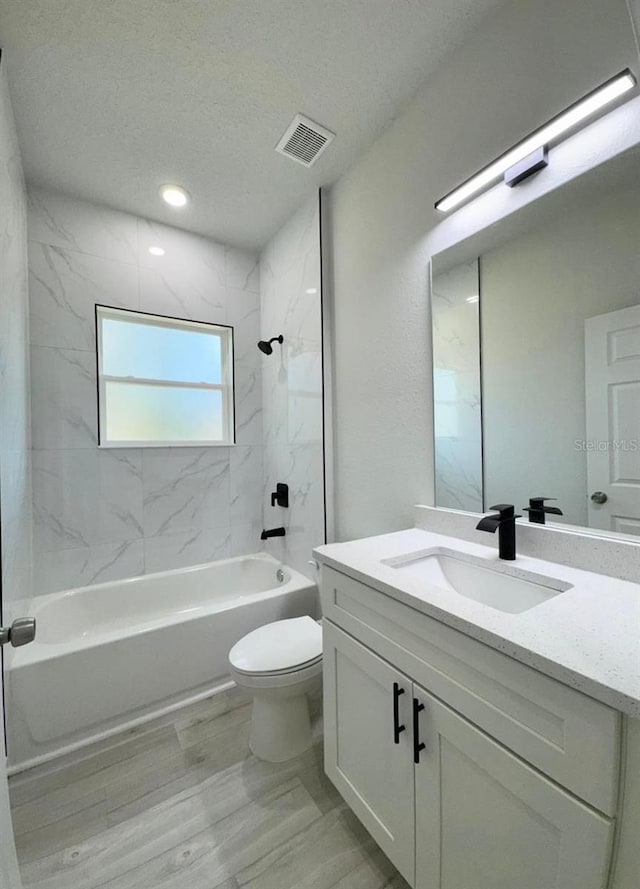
point(304, 140)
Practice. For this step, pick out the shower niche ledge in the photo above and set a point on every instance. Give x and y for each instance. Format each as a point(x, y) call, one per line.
point(464, 735)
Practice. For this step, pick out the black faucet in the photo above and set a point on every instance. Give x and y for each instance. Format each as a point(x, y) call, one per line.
point(505, 524)
point(274, 532)
point(538, 511)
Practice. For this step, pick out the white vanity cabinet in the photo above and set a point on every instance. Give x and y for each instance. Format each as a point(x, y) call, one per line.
point(475, 807)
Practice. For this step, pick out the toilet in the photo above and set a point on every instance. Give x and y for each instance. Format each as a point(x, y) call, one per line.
point(279, 663)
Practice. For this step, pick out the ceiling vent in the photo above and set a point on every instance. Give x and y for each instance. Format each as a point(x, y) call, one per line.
point(304, 140)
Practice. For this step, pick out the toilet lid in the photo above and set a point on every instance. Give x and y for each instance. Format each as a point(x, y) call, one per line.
point(282, 645)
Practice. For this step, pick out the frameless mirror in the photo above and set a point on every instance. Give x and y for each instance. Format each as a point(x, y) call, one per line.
point(536, 352)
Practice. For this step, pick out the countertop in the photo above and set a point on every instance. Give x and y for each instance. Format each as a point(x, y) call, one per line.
point(587, 637)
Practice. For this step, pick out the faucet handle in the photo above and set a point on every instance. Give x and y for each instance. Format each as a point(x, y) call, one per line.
point(506, 510)
point(537, 504)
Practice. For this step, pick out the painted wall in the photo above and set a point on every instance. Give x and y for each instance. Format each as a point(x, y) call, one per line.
point(15, 483)
point(537, 292)
point(292, 386)
point(520, 68)
point(104, 514)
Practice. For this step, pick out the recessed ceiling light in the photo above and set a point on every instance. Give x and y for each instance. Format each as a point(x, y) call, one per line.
point(174, 195)
point(156, 251)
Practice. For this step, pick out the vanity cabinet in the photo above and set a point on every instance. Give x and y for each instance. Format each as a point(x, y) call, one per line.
point(415, 743)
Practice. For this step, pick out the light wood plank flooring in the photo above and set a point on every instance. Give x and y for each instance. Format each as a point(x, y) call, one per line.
point(183, 804)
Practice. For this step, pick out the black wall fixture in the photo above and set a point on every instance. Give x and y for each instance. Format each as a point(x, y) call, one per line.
point(265, 345)
point(280, 496)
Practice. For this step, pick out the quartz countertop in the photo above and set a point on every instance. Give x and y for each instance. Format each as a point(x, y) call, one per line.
point(587, 637)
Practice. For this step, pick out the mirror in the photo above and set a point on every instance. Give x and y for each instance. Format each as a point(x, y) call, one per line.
point(536, 356)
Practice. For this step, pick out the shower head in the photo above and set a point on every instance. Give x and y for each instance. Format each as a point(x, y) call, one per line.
point(265, 345)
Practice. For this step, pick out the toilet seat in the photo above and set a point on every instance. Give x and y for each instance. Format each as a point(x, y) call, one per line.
point(278, 649)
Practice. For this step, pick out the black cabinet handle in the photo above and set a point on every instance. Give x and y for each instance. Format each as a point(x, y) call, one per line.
point(417, 746)
point(397, 728)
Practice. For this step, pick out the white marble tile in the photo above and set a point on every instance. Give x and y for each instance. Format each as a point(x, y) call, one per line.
point(245, 485)
point(185, 488)
point(65, 569)
point(305, 414)
point(15, 396)
point(275, 399)
point(243, 314)
point(188, 281)
point(301, 467)
point(63, 221)
point(180, 549)
point(15, 474)
point(245, 539)
point(86, 497)
point(17, 559)
point(248, 405)
point(63, 398)
point(64, 287)
point(243, 269)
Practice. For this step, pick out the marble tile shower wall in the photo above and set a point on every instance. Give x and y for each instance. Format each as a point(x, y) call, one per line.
point(15, 473)
point(292, 386)
point(105, 514)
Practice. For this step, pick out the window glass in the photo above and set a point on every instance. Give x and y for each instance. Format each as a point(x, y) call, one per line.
point(136, 412)
point(156, 352)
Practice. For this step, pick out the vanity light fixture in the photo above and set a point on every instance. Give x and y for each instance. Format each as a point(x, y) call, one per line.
point(174, 195)
point(537, 143)
point(156, 251)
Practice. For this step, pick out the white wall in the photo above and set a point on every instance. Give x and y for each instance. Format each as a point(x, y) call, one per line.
point(103, 514)
point(292, 385)
point(537, 291)
point(15, 482)
point(520, 68)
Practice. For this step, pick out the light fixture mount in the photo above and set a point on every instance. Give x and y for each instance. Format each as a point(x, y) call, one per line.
point(544, 137)
point(532, 163)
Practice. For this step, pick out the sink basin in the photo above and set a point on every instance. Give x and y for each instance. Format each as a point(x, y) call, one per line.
point(506, 588)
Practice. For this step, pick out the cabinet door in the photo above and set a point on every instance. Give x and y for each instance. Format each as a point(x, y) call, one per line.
point(486, 820)
point(373, 773)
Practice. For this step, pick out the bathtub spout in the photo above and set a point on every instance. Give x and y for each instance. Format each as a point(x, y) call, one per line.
point(274, 532)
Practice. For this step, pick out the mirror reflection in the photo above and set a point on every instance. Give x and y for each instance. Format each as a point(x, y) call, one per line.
point(536, 350)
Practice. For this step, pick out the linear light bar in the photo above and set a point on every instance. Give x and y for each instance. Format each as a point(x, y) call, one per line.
point(549, 133)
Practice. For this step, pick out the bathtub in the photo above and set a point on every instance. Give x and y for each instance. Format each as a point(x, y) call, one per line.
point(111, 656)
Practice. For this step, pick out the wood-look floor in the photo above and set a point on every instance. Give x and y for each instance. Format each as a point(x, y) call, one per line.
point(185, 805)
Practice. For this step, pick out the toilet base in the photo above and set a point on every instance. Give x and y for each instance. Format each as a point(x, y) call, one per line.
point(280, 728)
point(280, 721)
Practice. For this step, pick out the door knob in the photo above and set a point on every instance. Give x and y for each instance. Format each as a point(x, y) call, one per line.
point(21, 632)
point(599, 497)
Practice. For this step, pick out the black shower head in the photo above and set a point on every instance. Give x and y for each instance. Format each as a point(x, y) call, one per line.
point(265, 345)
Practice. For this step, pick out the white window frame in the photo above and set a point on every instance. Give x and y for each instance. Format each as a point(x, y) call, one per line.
point(225, 334)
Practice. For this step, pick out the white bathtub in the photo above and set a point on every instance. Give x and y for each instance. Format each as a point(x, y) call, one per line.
point(110, 656)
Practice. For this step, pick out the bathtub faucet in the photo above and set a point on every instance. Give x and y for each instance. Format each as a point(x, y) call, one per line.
point(274, 532)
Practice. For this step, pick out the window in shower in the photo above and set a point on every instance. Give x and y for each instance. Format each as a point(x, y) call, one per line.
point(163, 382)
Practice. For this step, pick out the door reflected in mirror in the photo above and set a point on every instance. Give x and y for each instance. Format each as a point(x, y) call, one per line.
point(536, 350)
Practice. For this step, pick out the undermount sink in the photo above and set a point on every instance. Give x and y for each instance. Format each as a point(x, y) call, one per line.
point(508, 589)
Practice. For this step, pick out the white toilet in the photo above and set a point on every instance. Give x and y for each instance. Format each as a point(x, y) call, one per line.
point(280, 664)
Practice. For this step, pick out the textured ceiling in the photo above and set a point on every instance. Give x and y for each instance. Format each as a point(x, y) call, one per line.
point(113, 98)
